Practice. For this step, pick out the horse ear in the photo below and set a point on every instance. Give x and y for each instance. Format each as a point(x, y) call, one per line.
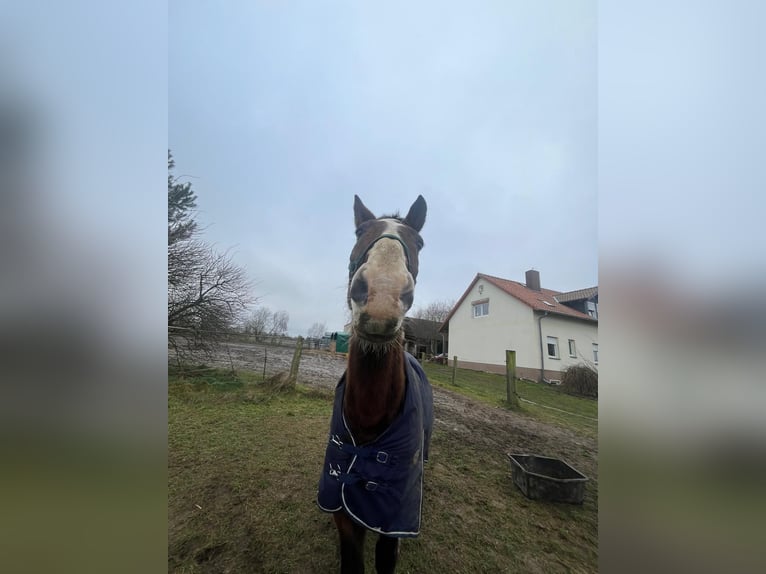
point(416, 216)
point(361, 213)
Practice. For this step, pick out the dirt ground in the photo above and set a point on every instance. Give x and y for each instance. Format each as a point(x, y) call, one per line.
point(502, 430)
point(496, 428)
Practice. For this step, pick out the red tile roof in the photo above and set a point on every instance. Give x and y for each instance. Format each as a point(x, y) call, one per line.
point(542, 300)
point(577, 295)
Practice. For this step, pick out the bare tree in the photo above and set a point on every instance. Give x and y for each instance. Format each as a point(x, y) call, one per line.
point(258, 322)
point(436, 311)
point(207, 292)
point(278, 324)
point(586, 362)
point(316, 330)
point(210, 292)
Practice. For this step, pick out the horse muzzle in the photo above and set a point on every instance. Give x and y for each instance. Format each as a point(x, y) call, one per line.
point(377, 330)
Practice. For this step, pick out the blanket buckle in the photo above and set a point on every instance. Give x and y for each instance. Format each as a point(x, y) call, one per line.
point(335, 472)
point(335, 439)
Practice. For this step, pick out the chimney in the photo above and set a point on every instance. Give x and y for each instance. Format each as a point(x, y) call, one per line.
point(533, 280)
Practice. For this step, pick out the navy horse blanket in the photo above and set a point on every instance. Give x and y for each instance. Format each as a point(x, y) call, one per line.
point(380, 484)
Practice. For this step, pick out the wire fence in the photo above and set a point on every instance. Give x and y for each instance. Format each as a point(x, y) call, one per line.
point(266, 355)
point(269, 356)
point(522, 399)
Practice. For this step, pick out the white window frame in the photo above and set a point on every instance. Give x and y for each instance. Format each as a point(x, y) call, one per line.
point(572, 348)
point(595, 353)
point(477, 309)
point(555, 343)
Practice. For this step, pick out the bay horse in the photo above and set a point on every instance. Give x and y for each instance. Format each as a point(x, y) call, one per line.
point(382, 418)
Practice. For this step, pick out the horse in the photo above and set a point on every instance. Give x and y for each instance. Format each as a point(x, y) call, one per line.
point(382, 418)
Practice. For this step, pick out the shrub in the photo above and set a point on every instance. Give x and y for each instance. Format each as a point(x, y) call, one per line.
point(580, 380)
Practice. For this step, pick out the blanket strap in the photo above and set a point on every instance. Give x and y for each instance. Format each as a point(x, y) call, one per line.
point(379, 456)
point(369, 485)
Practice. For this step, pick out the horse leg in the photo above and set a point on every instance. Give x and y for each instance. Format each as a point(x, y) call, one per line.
point(351, 544)
point(386, 553)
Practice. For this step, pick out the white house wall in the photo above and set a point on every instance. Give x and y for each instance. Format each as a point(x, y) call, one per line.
point(481, 342)
point(584, 335)
point(485, 339)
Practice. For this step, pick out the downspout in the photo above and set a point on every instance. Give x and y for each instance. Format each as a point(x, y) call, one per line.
point(542, 354)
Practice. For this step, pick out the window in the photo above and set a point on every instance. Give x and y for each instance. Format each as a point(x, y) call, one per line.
point(595, 353)
point(572, 348)
point(553, 347)
point(592, 309)
point(481, 308)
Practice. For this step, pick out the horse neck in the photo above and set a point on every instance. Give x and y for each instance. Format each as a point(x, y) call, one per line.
point(375, 384)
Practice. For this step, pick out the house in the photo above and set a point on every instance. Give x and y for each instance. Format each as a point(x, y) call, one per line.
point(549, 330)
point(420, 336)
point(423, 336)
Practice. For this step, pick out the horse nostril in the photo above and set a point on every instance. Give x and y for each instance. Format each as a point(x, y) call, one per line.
point(359, 290)
point(407, 298)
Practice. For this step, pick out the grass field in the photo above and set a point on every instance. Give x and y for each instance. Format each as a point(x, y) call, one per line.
point(244, 462)
point(580, 414)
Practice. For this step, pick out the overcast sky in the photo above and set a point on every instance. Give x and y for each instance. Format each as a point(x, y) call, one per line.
point(489, 109)
point(278, 116)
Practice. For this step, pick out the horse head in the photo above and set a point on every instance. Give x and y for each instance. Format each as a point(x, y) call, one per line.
point(383, 270)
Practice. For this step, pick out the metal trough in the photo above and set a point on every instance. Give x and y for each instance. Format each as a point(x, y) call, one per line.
point(541, 477)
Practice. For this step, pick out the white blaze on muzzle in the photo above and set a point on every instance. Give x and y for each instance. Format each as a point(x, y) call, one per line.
point(387, 277)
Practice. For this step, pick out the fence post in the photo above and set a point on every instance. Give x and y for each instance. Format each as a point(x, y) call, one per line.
point(265, 354)
point(296, 361)
point(454, 368)
point(510, 379)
